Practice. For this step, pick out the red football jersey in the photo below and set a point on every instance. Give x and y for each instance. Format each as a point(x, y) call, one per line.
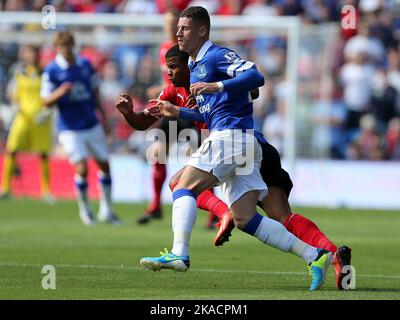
point(179, 97)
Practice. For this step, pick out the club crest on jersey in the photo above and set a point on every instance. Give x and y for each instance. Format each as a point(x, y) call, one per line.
point(231, 56)
point(201, 71)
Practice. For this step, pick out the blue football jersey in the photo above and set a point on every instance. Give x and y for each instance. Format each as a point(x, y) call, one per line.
point(76, 108)
point(222, 110)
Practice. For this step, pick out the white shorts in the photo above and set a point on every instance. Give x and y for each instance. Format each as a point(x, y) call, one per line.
point(234, 158)
point(80, 144)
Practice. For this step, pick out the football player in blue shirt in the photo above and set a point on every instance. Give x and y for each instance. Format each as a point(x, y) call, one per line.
point(231, 156)
point(70, 83)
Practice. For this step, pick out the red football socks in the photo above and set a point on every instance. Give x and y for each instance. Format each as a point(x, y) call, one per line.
point(210, 202)
point(308, 231)
point(159, 175)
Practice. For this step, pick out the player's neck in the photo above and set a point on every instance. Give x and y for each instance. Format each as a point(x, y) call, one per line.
point(196, 51)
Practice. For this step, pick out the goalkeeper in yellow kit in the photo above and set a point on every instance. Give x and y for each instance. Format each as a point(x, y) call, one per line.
point(31, 129)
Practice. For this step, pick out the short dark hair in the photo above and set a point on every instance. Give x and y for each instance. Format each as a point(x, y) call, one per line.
point(64, 38)
point(198, 14)
point(175, 52)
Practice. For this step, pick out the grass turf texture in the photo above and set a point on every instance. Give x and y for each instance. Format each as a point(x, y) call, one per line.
point(102, 262)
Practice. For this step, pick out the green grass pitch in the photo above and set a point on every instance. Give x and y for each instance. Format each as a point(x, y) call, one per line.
point(102, 262)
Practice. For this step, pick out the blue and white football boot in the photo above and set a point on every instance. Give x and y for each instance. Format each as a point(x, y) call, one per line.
point(167, 261)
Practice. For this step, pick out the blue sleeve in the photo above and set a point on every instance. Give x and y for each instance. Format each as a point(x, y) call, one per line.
point(243, 74)
point(191, 114)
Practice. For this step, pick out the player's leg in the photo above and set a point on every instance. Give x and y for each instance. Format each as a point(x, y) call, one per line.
point(242, 192)
point(74, 144)
point(277, 207)
point(44, 178)
point(9, 165)
point(192, 182)
point(81, 188)
point(275, 234)
point(41, 143)
point(97, 146)
point(18, 140)
point(208, 201)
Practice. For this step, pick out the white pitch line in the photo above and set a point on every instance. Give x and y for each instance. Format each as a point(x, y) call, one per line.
point(122, 267)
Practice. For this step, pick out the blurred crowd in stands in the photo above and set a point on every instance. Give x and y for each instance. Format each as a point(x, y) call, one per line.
point(353, 114)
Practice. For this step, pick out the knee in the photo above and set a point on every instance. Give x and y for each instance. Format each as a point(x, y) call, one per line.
point(173, 183)
point(276, 205)
point(240, 222)
point(104, 167)
point(81, 170)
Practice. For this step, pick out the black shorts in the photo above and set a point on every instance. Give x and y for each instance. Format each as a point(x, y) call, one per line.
point(271, 169)
point(180, 124)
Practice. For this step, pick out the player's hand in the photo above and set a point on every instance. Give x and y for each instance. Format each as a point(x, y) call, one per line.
point(65, 88)
point(191, 102)
point(167, 108)
point(124, 104)
point(203, 87)
point(154, 111)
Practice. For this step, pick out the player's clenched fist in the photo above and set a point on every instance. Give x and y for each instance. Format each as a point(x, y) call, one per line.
point(203, 87)
point(124, 105)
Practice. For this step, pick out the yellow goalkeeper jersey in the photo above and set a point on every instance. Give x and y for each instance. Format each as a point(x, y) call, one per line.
point(27, 91)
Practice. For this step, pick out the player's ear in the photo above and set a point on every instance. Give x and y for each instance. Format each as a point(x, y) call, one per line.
point(202, 31)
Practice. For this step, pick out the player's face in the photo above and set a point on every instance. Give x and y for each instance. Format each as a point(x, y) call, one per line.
point(188, 35)
point(178, 72)
point(66, 50)
point(30, 56)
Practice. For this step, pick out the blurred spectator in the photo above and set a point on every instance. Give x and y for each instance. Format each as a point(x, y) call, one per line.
point(110, 86)
point(165, 5)
point(171, 18)
point(289, 7)
point(212, 6)
point(146, 76)
point(230, 7)
point(383, 100)
point(366, 45)
point(328, 116)
point(274, 124)
point(261, 106)
point(260, 8)
point(356, 78)
point(393, 139)
point(316, 11)
point(368, 145)
point(138, 7)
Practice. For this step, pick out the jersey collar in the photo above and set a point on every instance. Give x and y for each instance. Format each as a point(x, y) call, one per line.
point(63, 63)
point(203, 50)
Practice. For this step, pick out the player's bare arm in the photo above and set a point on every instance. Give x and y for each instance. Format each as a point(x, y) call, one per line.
point(138, 121)
point(62, 90)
